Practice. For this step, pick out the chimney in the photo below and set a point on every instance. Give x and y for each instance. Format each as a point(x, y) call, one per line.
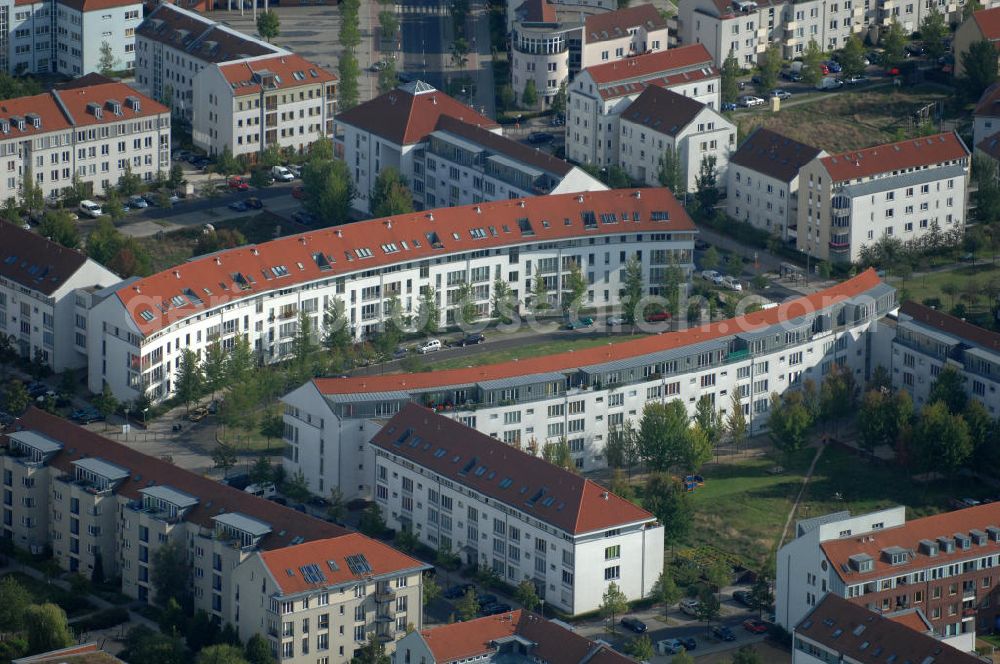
point(430, 216)
point(339, 233)
point(579, 199)
point(388, 223)
point(520, 203)
point(218, 261)
point(479, 210)
point(302, 239)
point(638, 195)
point(255, 252)
point(604, 495)
point(137, 289)
point(177, 273)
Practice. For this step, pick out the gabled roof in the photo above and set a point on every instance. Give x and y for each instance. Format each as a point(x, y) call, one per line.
point(549, 642)
point(338, 561)
point(85, 653)
point(616, 24)
point(98, 5)
point(912, 618)
point(36, 262)
point(902, 155)
point(537, 11)
point(407, 114)
point(572, 360)
point(505, 146)
point(280, 72)
point(774, 155)
point(626, 89)
point(187, 290)
point(649, 65)
point(989, 102)
point(214, 498)
point(908, 536)
point(951, 325)
point(663, 110)
point(199, 37)
point(990, 146)
point(866, 636)
point(988, 22)
point(523, 481)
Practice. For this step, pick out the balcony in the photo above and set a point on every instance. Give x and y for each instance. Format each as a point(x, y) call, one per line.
point(385, 595)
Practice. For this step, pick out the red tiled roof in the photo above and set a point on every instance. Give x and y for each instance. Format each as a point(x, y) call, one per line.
point(908, 537)
point(859, 634)
point(990, 146)
point(405, 118)
point(537, 11)
point(599, 355)
point(912, 618)
point(545, 491)
point(290, 70)
point(552, 644)
point(669, 81)
point(298, 253)
point(989, 102)
point(36, 262)
point(214, 498)
point(616, 24)
point(661, 63)
point(988, 21)
point(911, 153)
point(951, 325)
point(382, 558)
point(200, 37)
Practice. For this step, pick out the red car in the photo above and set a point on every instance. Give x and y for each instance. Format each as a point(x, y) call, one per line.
point(755, 626)
point(658, 317)
point(298, 191)
point(238, 183)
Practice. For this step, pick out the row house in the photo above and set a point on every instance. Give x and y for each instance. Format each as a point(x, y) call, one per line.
point(312, 589)
point(91, 131)
point(139, 330)
point(41, 283)
point(600, 93)
point(908, 190)
point(524, 518)
point(945, 565)
point(580, 396)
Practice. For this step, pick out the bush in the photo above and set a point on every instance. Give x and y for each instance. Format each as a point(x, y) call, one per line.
point(102, 619)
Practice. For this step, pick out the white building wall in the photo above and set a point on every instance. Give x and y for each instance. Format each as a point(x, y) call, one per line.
point(984, 126)
point(639, 40)
point(762, 201)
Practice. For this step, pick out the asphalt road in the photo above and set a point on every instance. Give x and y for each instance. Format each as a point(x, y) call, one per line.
point(422, 24)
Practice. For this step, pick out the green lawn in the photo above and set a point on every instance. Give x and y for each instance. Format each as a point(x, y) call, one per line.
point(968, 277)
point(531, 350)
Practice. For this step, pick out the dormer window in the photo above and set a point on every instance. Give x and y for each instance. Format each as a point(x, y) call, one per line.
point(946, 544)
point(862, 562)
point(895, 555)
point(114, 106)
point(35, 120)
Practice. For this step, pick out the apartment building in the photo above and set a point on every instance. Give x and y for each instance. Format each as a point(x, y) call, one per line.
point(512, 512)
point(389, 130)
point(91, 133)
point(39, 281)
point(628, 32)
point(945, 565)
point(174, 44)
point(924, 341)
point(660, 120)
point(95, 503)
point(983, 25)
point(281, 101)
point(459, 164)
point(579, 6)
point(140, 328)
point(580, 395)
point(986, 115)
point(763, 182)
point(839, 631)
point(495, 639)
point(908, 190)
point(600, 93)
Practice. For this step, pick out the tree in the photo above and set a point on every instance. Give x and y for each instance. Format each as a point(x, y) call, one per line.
point(613, 603)
point(747, 655)
point(709, 419)
point(261, 472)
point(933, 32)
point(428, 312)
point(391, 194)
point(872, 419)
point(59, 227)
point(894, 43)
point(431, 590)
point(558, 105)
point(337, 506)
point(526, 595)
point(214, 368)
point(503, 305)
point(222, 653)
point(730, 75)
point(622, 448)
point(574, 288)
point(304, 345)
point(852, 58)
point(670, 175)
point(106, 403)
point(708, 607)
point(226, 164)
point(665, 439)
point(468, 606)
point(634, 290)
point(172, 574)
point(558, 454)
point(666, 498)
point(371, 522)
point(940, 440)
point(812, 60)
point(32, 196)
point(190, 381)
point(106, 61)
point(711, 259)
point(142, 644)
point(539, 294)
point(16, 398)
point(331, 190)
point(530, 95)
point(389, 23)
point(682, 658)
point(736, 421)
point(201, 631)
point(240, 363)
point(761, 596)
point(268, 24)
point(224, 457)
point(789, 422)
point(507, 98)
point(949, 388)
point(734, 264)
point(769, 69)
point(666, 590)
point(47, 628)
point(706, 184)
point(979, 423)
point(14, 602)
point(373, 652)
point(258, 651)
point(296, 487)
point(348, 70)
point(641, 648)
point(838, 393)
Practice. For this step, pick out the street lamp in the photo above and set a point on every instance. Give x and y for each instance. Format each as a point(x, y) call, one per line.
point(144, 412)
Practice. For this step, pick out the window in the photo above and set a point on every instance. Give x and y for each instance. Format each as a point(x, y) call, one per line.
point(612, 552)
point(612, 573)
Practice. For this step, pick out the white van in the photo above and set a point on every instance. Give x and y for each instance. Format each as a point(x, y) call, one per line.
point(829, 83)
point(282, 174)
point(262, 490)
point(91, 209)
point(429, 346)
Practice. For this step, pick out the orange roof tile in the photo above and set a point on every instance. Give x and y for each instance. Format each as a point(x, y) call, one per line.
point(326, 252)
point(668, 81)
point(912, 618)
point(290, 71)
point(908, 536)
point(382, 559)
point(616, 24)
point(988, 21)
point(601, 354)
point(951, 325)
point(407, 114)
point(461, 640)
point(537, 11)
point(911, 153)
point(649, 64)
point(543, 490)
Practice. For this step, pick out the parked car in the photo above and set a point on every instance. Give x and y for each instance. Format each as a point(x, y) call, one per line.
point(792, 76)
point(400, 353)
point(86, 415)
point(254, 203)
point(262, 490)
point(833, 66)
point(238, 183)
point(281, 174)
point(37, 389)
point(855, 78)
point(459, 591)
point(304, 218)
point(742, 597)
point(487, 598)
point(724, 633)
point(472, 339)
point(781, 94)
point(615, 320)
point(915, 50)
point(689, 606)
point(755, 626)
point(90, 209)
point(669, 646)
point(732, 283)
point(198, 414)
point(495, 609)
point(829, 83)
point(709, 275)
point(429, 346)
point(137, 202)
point(634, 624)
point(657, 316)
point(579, 323)
point(729, 106)
point(298, 191)
point(689, 643)
point(238, 206)
point(539, 137)
point(749, 101)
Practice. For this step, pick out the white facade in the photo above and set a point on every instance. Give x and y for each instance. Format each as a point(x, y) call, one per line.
point(540, 52)
point(517, 537)
point(328, 422)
